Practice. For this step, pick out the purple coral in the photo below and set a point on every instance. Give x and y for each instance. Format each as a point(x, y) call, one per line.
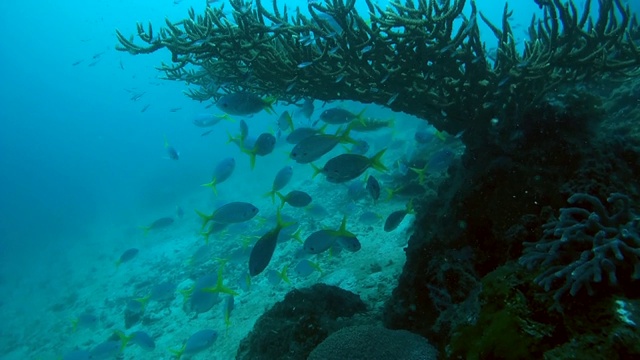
point(585, 242)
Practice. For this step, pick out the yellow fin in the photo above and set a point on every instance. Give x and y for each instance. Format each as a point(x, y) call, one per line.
point(283, 199)
point(283, 274)
point(220, 287)
point(145, 229)
point(316, 170)
point(391, 192)
point(227, 319)
point(376, 161)
point(205, 219)
point(186, 293)
point(252, 156)
point(344, 138)
point(316, 266)
point(409, 208)
point(247, 281)
point(144, 301)
point(178, 353)
point(233, 139)
point(212, 185)
point(280, 222)
point(271, 194)
point(226, 116)
point(296, 235)
point(421, 174)
point(124, 338)
point(268, 104)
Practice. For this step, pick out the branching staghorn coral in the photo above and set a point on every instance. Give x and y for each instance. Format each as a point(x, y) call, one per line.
point(420, 57)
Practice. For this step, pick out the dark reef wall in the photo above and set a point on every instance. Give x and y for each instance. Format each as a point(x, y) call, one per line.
point(504, 188)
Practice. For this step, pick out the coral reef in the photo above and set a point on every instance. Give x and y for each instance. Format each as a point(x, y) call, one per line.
point(499, 197)
point(420, 57)
point(367, 342)
point(508, 325)
point(293, 327)
point(514, 323)
point(585, 243)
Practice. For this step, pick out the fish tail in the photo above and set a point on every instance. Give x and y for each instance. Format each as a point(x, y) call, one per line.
point(390, 193)
point(226, 116)
point(296, 235)
point(178, 353)
point(283, 199)
point(268, 104)
point(280, 222)
point(206, 237)
point(232, 139)
point(421, 174)
point(246, 241)
point(343, 225)
point(145, 229)
point(290, 121)
point(315, 266)
point(345, 138)
point(227, 321)
point(144, 301)
point(225, 290)
point(316, 170)
point(410, 209)
point(187, 293)
point(252, 160)
point(205, 219)
point(252, 155)
point(247, 280)
point(124, 339)
point(376, 161)
point(360, 119)
point(283, 274)
point(212, 185)
point(271, 194)
point(220, 284)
